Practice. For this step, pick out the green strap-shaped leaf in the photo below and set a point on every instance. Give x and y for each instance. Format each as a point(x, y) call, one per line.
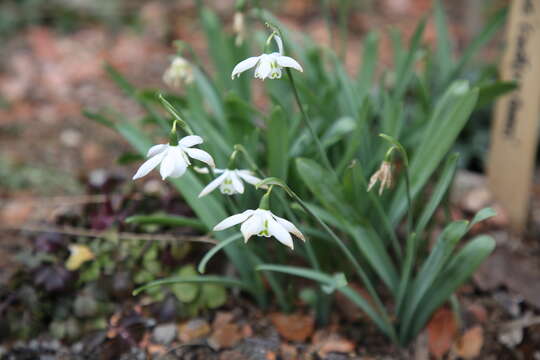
point(199, 279)
point(167, 220)
point(461, 267)
point(448, 119)
point(445, 180)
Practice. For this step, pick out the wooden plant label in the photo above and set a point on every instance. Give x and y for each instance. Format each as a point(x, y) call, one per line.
point(514, 135)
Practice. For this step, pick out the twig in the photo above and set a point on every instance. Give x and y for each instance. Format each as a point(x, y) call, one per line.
point(74, 231)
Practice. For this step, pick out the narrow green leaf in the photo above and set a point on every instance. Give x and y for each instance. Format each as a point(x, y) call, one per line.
point(213, 251)
point(278, 143)
point(488, 93)
point(167, 220)
point(376, 254)
point(445, 180)
point(448, 119)
point(368, 65)
point(462, 266)
point(493, 25)
point(431, 268)
point(199, 279)
point(482, 215)
point(405, 71)
point(99, 118)
point(444, 49)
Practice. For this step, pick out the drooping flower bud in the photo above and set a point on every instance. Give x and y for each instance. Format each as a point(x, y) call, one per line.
point(180, 72)
point(239, 28)
point(384, 175)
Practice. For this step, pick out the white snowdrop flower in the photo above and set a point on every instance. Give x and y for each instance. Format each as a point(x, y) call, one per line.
point(267, 65)
point(179, 72)
point(229, 182)
point(262, 223)
point(174, 159)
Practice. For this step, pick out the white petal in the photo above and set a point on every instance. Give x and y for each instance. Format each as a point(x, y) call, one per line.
point(168, 165)
point(280, 233)
point(290, 227)
point(286, 61)
point(179, 169)
point(204, 170)
point(200, 155)
point(264, 68)
point(148, 166)
point(247, 176)
point(251, 226)
point(213, 185)
point(236, 183)
point(279, 43)
point(233, 220)
point(190, 141)
point(244, 65)
point(156, 149)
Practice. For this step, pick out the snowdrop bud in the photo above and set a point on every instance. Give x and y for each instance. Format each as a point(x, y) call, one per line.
point(179, 72)
point(239, 28)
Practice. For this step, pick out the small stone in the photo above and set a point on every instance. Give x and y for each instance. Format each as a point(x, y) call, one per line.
point(164, 334)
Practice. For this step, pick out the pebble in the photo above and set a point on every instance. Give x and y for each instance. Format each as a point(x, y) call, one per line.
point(164, 334)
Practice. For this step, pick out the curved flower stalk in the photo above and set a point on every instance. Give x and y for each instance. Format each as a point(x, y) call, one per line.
point(229, 182)
point(174, 159)
point(268, 65)
point(178, 73)
point(262, 222)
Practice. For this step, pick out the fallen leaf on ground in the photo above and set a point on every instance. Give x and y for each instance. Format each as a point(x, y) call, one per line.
point(225, 336)
point(294, 327)
point(325, 342)
point(442, 329)
point(193, 329)
point(469, 345)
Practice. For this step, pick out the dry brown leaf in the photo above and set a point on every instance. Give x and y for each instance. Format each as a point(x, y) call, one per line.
point(469, 345)
point(441, 329)
point(325, 342)
point(193, 329)
point(225, 336)
point(294, 327)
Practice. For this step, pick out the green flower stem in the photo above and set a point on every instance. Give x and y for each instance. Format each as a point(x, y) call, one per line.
point(176, 114)
point(307, 122)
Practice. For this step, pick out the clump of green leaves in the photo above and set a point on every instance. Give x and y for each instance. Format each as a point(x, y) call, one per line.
point(421, 105)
